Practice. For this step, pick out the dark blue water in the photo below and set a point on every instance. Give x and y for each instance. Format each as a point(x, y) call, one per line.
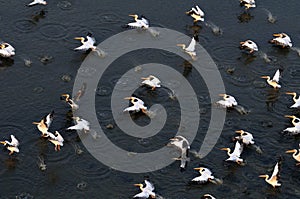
point(30, 92)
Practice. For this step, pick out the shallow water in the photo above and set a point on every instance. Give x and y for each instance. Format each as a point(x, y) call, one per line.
point(31, 91)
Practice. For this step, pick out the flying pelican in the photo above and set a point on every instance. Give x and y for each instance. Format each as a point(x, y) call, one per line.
point(248, 3)
point(249, 45)
point(142, 22)
point(274, 82)
point(147, 191)
point(282, 39)
point(205, 176)
point(151, 81)
point(138, 105)
point(35, 2)
point(81, 124)
point(207, 196)
point(235, 155)
point(190, 50)
point(196, 13)
point(296, 100)
point(296, 122)
point(228, 101)
point(273, 180)
point(12, 146)
point(44, 124)
point(6, 50)
point(296, 154)
point(183, 144)
point(56, 139)
point(246, 137)
point(87, 43)
point(70, 101)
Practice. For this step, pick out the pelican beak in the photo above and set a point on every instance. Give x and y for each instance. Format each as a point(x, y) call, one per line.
point(198, 168)
point(277, 35)
point(242, 42)
point(265, 77)
point(145, 78)
point(224, 149)
point(132, 15)
point(239, 131)
point(290, 93)
point(138, 185)
point(128, 98)
point(35, 123)
point(222, 95)
point(262, 176)
point(173, 139)
point(78, 38)
point(180, 44)
point(2, 142)
point(290, 116)
point(290, 151)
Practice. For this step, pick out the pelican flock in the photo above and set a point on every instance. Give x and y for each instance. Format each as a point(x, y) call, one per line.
point(244, 138)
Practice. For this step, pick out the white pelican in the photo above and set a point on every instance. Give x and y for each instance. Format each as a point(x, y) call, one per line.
point(12, 146)
point(196, 13)
point(207, 196)
point(35, 2)
point(190, 49)
point(228, 101)
point(296, 154)
point(70, 101)
point(295, 99)
point(81, 124)
point(235, 155)
point(44, 124)
point(248, 3)
point(87, 43)
point(245, 137)
point(56, 139)
point(274, 82)
point(273, 180)
point(296, 122)
point(249, 45)
point(138, 105)
point(147, 191)
point(142, 22)
point(205, 176)
point(6, 50)
point(151, 81)
point(183, 144)
point(282, 39)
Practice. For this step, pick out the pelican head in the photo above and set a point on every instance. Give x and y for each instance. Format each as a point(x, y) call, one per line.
point(135, 16)
point(291, 93)
point(242, 132)
point(3, 142)
point(290, 116)
point(67, 96)
point(265, 77)
point(128, 98)
point(76, 118)
point(279, 35)
point(147, 78)
point(200, 169)
point(225, 149)
point(139, 185)
point(79, 38)
point(264, 176)
point(181, 45)
point(291, 151)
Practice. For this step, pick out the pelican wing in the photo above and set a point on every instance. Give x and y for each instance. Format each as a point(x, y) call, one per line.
point(14, 141)
point(48, 119)
point(199, 11)
point(276, 76)
point(143, 194)
point(192, 45)
point(149, 185)
point(275, 172)
point(201, 179)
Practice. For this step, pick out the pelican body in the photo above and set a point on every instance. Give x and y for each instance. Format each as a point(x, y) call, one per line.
point(6, 50)
point(184, 146)
point(12, 146)
point(147, 191)
point(190, 50)
point(56, 139)
point(81, 124)
point(296, 128)
point(207, 196)
point(296, 154)
point(295, 99)
point(70, 101)
point(196, 13)
point(228, 101)
point(151, 81)
point(36, 2)
point(44, 124)
point(282, 39)
point(273, 180)
point(138, 105)
point(249, 45)
point(141, 22)
point(235, 155)
point(274, 82)
point(248, 3)
point(245, 137)
point(205, 175)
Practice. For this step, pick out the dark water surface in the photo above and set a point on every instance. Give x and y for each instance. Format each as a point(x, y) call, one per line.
point(28, 93)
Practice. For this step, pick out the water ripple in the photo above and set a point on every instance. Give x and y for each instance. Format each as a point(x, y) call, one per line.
point(54, 31)
point(25, 25)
